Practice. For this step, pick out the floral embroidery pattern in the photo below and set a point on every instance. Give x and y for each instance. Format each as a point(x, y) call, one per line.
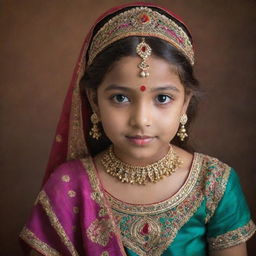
point(30, 238)
point(141, 21)
point(149, 229)
point(71, 193)
point(100, 231)
point(233, 237)
point(216, 174)
point(65, 178)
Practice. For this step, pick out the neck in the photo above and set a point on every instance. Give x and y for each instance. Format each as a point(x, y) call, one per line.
point(140, 156)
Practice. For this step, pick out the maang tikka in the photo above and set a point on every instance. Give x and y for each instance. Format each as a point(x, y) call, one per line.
point(144, 51)
point(182, 133)
point(95, 131)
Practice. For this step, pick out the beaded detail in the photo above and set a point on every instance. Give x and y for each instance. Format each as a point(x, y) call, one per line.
point(233, 237)
point(148, 230)
point(141, 21)
point(141, 175)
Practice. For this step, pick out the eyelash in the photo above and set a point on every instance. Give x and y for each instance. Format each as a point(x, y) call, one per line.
point(167, 96)
point(114, 99)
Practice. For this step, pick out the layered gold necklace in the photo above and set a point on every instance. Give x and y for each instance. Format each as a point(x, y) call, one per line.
point(140, 174)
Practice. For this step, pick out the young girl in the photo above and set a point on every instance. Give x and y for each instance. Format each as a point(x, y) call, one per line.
point(120, 180)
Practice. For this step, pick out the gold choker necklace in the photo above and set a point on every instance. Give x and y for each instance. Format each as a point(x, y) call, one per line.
point(140, 174)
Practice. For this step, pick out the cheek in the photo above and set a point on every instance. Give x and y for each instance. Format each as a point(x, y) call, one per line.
point(168, 121)
point(111, 119)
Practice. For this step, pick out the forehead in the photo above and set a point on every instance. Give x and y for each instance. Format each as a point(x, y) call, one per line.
point(126, 72)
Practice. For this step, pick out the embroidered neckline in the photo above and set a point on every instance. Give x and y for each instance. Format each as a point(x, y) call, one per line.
point(149, 229)
point(158, 207)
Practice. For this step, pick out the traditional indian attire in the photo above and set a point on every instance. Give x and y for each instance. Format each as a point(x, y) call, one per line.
point(74, 215)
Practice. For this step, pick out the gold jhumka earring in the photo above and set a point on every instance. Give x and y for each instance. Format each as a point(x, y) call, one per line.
point(182, 133)
point(95, 131)
point(144, 51)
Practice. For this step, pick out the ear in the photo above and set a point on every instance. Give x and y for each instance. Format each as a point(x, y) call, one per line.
point(187, 99)
point(92, 97)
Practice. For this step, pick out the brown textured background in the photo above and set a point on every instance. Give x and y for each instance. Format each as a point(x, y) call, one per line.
point(39, 43)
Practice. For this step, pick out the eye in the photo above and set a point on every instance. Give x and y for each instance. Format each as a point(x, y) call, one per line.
point(119, 98)
point(163, 99)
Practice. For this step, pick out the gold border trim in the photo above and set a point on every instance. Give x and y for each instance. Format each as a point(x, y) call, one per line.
point(32, 240)
point(193, 183)
point(99, 197)
point(173, 201)
point(195, 190)
point(45, 202)
point(232, 238)
point(213, 200)
point(76, 142)
point(114, 30)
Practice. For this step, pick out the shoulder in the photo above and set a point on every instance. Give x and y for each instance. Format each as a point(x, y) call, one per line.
point(215, 176)
point(71, 173)
point(213, 169)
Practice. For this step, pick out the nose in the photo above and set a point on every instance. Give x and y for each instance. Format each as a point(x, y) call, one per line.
point(141, 116)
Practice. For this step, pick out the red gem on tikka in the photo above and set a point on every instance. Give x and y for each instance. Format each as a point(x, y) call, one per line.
point(143, 48)
point(143, 88)
point(144, 18)
point(145, 230)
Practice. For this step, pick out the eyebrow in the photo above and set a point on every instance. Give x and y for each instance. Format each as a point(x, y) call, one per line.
point(127, 89)
point(117, 87)
point(166, 88)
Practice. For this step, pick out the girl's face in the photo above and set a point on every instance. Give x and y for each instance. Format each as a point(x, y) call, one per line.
point(140, 115)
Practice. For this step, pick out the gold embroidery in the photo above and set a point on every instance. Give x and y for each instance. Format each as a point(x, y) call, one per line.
point(71, 193)
point(99, 231)
point(131, 23)
point(65, 178)
point(146, 229)
point(159, 223)
point(45, 202)
point(98, 196)
point(217, 174)
point(149, 229)
point(233, 237)
point(30, 238)
point(105, 253)
point(76, 142)
point(75, 209)
point(167, 204)
point(58, 138)
point(102, 212)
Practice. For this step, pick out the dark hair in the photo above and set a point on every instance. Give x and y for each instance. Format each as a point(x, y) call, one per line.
point(105, 60)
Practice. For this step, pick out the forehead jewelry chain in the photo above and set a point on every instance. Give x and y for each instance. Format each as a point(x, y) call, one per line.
point(140, 174)
point(144, 51)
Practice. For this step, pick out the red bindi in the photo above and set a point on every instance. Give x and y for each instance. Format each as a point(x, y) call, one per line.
point(143, 88)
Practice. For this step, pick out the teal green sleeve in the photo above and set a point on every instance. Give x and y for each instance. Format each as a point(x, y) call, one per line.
point(231, 223)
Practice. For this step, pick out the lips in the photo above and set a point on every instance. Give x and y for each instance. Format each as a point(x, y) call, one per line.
point(140, 139)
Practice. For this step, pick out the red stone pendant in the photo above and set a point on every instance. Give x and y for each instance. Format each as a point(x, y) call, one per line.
point(145, 230)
